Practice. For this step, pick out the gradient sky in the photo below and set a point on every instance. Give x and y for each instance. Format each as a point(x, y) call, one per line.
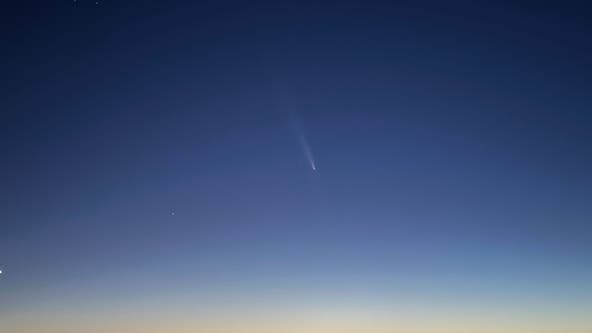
point(155, 172)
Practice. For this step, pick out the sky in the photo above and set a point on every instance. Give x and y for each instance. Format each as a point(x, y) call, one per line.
point(239, 167)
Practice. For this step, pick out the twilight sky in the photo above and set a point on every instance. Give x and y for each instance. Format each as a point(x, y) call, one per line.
point(156, 167)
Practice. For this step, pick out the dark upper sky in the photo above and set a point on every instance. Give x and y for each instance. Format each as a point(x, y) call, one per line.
point(452, 141)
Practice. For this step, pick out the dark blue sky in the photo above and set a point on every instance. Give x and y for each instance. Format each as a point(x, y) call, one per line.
point(453, 144)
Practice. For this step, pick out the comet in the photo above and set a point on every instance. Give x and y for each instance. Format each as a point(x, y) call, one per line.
point(307, 151)
point(303, 141)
